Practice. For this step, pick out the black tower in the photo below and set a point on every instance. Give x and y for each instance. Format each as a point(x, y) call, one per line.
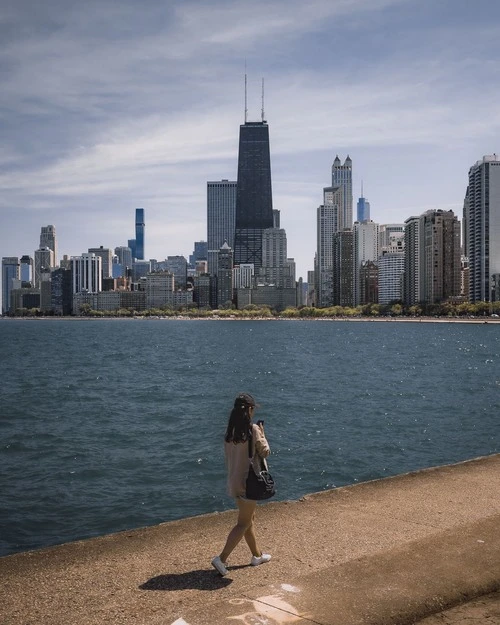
point(254, 203)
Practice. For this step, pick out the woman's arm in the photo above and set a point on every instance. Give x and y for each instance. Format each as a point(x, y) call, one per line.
point(260, 442)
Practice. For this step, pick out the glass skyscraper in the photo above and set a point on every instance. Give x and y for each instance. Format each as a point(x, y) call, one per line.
point(139, 233)
point(10, 272)
point(482, 218)
point(221, 213)
point(363, 212)
point(254, 204)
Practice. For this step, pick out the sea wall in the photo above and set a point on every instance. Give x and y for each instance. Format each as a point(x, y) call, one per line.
point(385, 552)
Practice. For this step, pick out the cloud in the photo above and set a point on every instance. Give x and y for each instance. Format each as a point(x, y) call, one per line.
point(106, 105)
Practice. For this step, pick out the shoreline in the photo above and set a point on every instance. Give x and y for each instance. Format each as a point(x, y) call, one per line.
point(475, 320)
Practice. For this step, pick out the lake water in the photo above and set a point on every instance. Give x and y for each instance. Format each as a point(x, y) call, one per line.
point(107, 425)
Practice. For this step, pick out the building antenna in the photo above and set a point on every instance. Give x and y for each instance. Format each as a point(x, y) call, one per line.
point(362, 189)
point(246, 109)
point(262, 111)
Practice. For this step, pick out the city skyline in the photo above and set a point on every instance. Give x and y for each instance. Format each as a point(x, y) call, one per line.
point(108, 108)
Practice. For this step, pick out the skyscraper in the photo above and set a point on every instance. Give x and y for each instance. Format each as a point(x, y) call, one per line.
point(440, 256)
point(328, 223)
point(391, 265)
point(365, 241)
point(411, 281)
point(87, 273)
point(254, 204)
point(10, 272)
point(483, 229)
point(363, 210)
point(140, 227)
point(432, 262)
point(342, 177)
point(124, 255)
point(48, 239)
point(106, 256)
point(44, 262)
point(221, 215)
point(225, 276)
point(26, 268)
point(343, 268)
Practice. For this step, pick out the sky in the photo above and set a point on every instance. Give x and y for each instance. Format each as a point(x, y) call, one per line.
point(106, 106)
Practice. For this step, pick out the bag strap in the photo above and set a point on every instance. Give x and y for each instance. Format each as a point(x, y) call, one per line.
point(250, 454)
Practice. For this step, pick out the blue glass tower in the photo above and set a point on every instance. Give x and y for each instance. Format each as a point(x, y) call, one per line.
point(363, 213)
point(139, 233)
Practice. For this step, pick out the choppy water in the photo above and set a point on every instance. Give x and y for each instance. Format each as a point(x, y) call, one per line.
point(112, 424)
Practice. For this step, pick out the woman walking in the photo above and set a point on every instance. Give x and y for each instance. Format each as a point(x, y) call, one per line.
point(239, 430)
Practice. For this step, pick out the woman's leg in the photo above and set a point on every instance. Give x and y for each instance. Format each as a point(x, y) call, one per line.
point(244, 525)
point(251, 539)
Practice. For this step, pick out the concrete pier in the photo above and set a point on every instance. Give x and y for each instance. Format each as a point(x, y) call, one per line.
point(387, 552)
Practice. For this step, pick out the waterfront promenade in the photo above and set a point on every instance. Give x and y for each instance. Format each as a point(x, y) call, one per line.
point(387, 552)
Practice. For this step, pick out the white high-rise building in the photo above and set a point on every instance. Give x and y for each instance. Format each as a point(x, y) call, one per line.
point(483, 229)
point(44, 262)
point(221, 216)
point(87, 273)
point(243, 276)
point(48, 239)
point(391, 267)
point(365, 242)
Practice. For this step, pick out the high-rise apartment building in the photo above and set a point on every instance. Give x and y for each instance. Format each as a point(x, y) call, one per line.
point(342, 177)
point(10, 272)
point(432, 266)
point(48, 239)
point(440, 256)
point(254, 204)
point(391, 266)
point(61, 291)
point(411, 280)
point(343, 268)
point(483, 229)
point(365, 242)
point(221, 218)
point(159, 289)
point(106, 256)
point(140, 227)
point(328, 222)
point(86, 273)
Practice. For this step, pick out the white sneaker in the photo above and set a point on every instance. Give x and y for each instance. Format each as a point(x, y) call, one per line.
point(219, 566)
point(265, 557)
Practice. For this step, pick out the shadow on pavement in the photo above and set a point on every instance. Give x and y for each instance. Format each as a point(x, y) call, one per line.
point(201, 579)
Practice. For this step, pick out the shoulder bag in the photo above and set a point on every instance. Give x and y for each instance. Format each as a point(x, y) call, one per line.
point(259, 485)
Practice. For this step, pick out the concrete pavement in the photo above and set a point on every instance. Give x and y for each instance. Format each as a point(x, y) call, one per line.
point(392, 551)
